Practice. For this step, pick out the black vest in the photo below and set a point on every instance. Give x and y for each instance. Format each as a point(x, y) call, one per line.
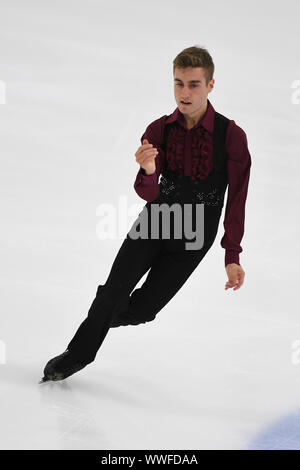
point(209, 191)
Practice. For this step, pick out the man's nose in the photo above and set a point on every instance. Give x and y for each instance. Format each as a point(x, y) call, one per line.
point(185, 92)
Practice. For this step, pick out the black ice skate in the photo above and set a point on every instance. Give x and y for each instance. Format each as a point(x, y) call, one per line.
point(62, 366)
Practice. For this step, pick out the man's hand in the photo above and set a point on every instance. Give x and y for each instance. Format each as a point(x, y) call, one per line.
point(235, 275)
point(145, 157)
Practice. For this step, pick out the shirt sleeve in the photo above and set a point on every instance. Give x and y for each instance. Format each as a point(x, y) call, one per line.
point(147, 186)
point(238, 170)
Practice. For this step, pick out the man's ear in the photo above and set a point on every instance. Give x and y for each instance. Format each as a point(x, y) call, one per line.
point(211, 84)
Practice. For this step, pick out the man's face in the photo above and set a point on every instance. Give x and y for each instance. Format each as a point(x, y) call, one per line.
point(190, 85)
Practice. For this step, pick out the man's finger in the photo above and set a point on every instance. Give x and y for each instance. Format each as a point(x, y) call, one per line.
point(231, 283)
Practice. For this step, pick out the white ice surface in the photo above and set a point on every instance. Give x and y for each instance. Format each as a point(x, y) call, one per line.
point(216, 369)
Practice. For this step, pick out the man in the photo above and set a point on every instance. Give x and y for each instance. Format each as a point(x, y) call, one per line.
point(199, 153)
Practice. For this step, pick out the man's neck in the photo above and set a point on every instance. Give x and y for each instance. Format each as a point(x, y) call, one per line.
point(192, 122)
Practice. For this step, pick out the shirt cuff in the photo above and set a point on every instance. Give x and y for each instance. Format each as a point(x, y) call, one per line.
point(147, 179)
point(232, 257)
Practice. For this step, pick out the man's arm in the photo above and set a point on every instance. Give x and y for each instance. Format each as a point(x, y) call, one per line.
point(238, 169)
point(146, 186)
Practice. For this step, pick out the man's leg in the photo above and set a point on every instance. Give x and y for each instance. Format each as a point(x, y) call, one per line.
point(133, 260)
point(167, 275)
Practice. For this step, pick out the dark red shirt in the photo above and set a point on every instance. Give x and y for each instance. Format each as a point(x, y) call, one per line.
point(190, 153)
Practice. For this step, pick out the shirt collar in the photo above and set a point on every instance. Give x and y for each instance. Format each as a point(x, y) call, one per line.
point(207, 120)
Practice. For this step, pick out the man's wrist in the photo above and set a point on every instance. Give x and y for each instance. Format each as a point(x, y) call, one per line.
point(145, 172)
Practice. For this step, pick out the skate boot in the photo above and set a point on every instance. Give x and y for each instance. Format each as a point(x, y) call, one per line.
point(62, 366)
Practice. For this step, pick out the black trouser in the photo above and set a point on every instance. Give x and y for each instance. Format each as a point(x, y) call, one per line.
point(170, 266)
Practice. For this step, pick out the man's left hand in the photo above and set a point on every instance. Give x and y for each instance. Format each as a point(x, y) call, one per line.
point(235, 275)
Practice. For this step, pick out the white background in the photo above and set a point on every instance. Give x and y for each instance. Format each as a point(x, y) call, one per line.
point(216, 369)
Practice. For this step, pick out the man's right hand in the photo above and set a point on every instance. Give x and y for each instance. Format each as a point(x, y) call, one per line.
point(145, 157)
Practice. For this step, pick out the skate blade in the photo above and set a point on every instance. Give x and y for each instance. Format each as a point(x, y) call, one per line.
point(44, 379)
point(54, 378)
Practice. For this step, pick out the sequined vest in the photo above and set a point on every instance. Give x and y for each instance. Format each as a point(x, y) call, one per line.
point(209, 191)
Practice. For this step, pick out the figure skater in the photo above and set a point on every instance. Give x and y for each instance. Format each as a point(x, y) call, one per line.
point(186, 160)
